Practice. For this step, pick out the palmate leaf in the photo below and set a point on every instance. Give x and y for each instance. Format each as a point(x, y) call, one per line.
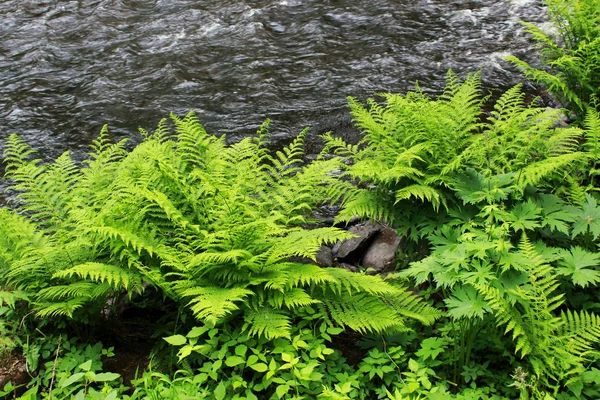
point(482, 273)
point(587, 219)
point(421, 271)
point(525, 216)
point(473, 187)
point(555, 213)
point(576, 264)
point(466, 302)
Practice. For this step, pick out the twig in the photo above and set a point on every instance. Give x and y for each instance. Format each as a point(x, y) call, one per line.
point(54, 368)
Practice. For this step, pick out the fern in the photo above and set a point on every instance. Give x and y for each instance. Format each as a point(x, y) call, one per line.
point(571, 57)
point(556, 347)
point(421, 150)
point(103, 273)
point(213, 226)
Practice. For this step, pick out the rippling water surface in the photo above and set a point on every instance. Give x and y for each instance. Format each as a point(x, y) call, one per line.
point(68, 67)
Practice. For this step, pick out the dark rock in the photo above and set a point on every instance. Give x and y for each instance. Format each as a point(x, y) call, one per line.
point(348, 267)
point(324, 257)
point(349, 249)
point(381, 255)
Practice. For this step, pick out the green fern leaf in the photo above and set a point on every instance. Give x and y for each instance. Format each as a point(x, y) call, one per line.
point(113, 275)
point(211, 304)
point(267, 322)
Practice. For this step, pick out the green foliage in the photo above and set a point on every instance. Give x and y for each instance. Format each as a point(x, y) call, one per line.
point(571, 57)
point(213, 226)
point(501, 266)
point(70, 370)
point(556, 346)
point(419, 150)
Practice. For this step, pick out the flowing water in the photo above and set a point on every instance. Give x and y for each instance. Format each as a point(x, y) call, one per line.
point(68, 67)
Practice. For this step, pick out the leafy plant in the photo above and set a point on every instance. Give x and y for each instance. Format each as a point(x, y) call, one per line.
point(557, 347)
point(70, 370)
point(416, 149)
point(212, 226)
point(571, 56)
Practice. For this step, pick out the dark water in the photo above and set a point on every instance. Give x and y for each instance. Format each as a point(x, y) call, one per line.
point(68, 67)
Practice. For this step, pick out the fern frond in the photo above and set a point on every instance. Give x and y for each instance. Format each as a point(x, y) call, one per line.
point(74, 290)
point(579, 332)
point(306, 243)
point(10, 298)
point(115, 276)
point(423, 193)
point(267, 322)
point(128, 238)
point(592, 135)
point(211, 303)
point(353, 283)
point(291, 299)
point(17, 153)
point(362, 313)
point(409, 305)
point(65, 308)
point(368, 204)
point(306, 275)
point(535, 172)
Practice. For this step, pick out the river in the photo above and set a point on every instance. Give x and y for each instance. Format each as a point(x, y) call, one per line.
point(68, 67)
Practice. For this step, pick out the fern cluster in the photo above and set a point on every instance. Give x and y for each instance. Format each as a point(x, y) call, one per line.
point(213, 226)
point(419, 150)
point(557, 346)
point(572, 56)
point(466, 187)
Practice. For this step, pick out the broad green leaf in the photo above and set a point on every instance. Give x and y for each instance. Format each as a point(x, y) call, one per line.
point(282, 390)
point(176, 340)
point(576, 264)
point(259, 367)
point(112, 395)
point(432, 347)
point(240, 350)
point(86, 366)
point(250, 395)
point(220, 391)
point(106, 376)
point(466, 302)
point(251, 360)
point(197, 331)
point(72, 379)
point(232, 361)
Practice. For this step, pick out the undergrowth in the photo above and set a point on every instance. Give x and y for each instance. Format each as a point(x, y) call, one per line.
point(494, 296)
